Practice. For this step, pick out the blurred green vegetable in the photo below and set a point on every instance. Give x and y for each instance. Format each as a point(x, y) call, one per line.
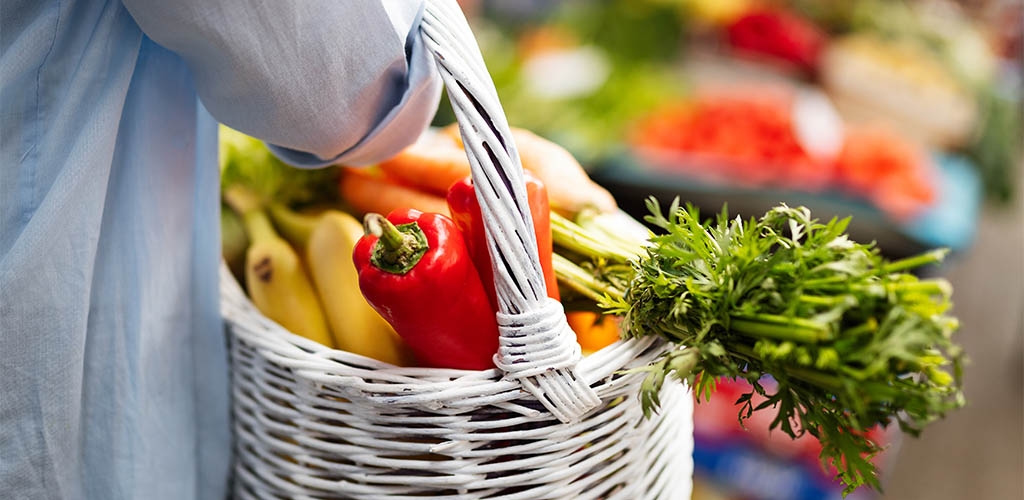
point(233, 241)
point(637, 40)
point(247, 161)
point(632, 32)
point(996, 150)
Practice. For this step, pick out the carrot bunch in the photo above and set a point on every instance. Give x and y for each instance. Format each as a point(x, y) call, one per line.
point(419, 176)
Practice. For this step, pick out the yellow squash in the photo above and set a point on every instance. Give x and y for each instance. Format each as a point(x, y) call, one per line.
point(328, 240)
point(356, 326)
point(278, 284)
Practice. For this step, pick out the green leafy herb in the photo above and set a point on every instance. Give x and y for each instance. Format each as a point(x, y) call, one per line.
point(851, 340)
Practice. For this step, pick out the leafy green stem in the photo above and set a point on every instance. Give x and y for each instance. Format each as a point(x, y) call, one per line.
point(581, 281)
point(779, 327)
point(916, 261)
point(851, 340)
point(573, 237)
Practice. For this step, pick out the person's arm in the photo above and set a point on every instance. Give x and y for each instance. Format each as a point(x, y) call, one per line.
point(323, 81)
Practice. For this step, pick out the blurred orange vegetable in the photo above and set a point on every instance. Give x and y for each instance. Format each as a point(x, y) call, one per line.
point(433, 163)
point(437, 160)
point(367, 192)
point(569, 187)
point(748, 138)
point(744, 135)
point(889, 170)
point(594, 331)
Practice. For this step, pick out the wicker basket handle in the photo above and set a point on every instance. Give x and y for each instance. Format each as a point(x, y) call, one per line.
point(537, 347)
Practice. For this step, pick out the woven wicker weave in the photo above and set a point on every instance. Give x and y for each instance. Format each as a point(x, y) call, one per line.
point(313, 422)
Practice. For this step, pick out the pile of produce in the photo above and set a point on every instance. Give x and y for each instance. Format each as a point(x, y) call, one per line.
point(297, 267)
point(850, 341)
point(748, 136)
point(901, 83)
point(882, 167)
point(425, 294)
point(942, 74)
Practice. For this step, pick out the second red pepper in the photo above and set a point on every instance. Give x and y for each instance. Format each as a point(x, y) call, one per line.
point(416, 272)
point(465, 210)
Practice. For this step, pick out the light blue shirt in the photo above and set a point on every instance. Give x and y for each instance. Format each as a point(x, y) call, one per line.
point(113, 367)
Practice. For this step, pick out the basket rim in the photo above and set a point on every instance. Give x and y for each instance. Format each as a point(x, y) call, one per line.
point(326, 364)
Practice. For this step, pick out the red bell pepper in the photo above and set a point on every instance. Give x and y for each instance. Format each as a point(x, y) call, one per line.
point(465, 210)
point(415, 270)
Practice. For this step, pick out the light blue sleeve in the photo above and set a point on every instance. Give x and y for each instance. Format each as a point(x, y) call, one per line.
point(323, 81)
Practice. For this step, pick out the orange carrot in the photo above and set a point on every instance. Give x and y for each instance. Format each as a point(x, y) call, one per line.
point(433, 163)
point(366, 192)
point(593, 331)
point(436, 161)
point(569, 188)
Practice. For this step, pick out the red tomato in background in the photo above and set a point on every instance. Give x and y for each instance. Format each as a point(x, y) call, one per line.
point(779, 34)
point(880, 165)
point(746, 137)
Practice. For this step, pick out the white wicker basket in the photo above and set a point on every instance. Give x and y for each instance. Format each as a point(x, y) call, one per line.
point(314, 422)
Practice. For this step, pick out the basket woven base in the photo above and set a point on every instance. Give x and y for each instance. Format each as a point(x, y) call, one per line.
point(311, 433)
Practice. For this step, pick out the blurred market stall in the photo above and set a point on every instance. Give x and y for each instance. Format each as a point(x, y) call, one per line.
point(904, 114)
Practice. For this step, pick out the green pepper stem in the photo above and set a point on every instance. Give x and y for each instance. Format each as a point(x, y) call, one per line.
point(389, 235)
point(398, 248)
